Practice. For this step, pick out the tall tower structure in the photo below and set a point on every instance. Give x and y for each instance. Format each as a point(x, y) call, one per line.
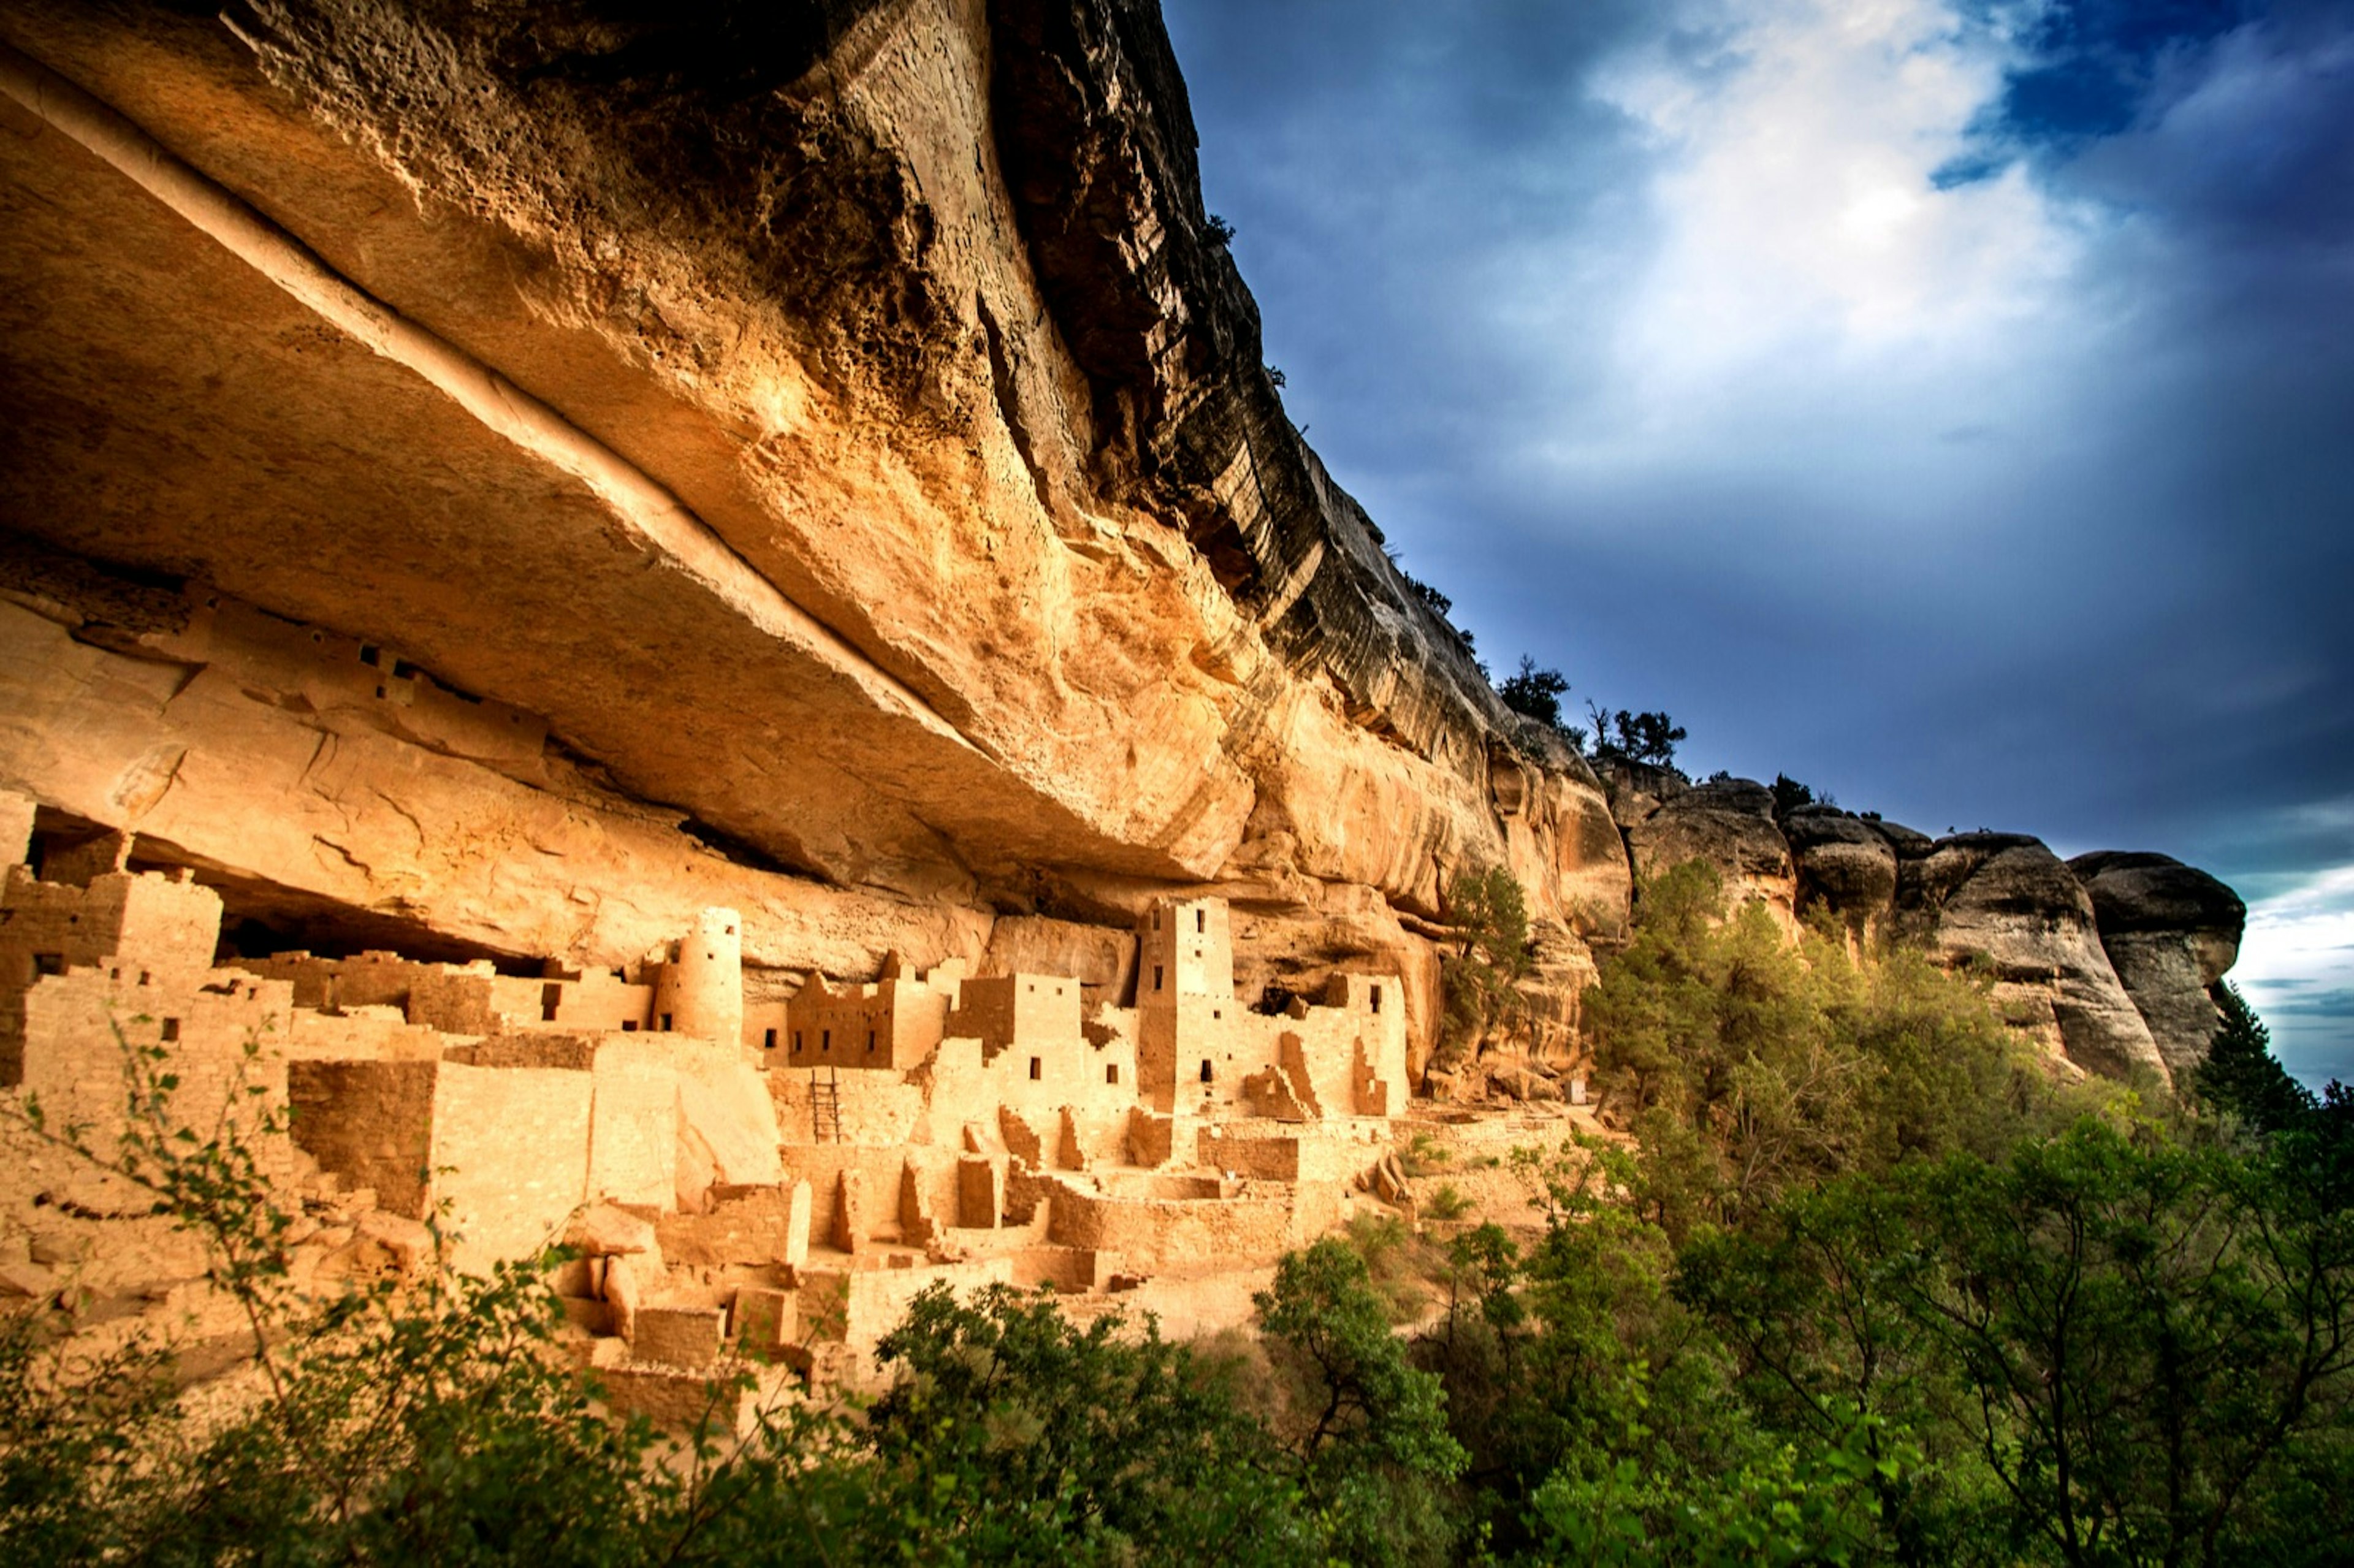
point(1185, 949)
point(1185, 993)
point(701, 991)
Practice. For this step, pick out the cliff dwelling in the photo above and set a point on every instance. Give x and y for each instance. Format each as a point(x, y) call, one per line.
point(745, 672)
point(783, 1187)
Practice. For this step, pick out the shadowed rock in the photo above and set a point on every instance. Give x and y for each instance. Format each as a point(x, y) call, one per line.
point(1844, 863)
point(2170, 931)
point(2006, 903)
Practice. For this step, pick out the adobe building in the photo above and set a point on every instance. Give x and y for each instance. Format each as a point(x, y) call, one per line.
point(783, 1180)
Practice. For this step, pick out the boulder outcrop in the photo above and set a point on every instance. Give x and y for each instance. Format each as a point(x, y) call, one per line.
point(2005, 903)
point(1728, 823)
point(2170, 931)
point(1844, 862)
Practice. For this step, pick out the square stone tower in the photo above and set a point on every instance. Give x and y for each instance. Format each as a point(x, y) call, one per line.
point(1184, 950)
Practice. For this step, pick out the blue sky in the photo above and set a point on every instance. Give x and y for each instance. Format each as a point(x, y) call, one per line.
point(1949, 403)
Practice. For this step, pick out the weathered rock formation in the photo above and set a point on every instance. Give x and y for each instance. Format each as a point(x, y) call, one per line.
point(2007, 903)
point(2108, 959)
point(2170, 931)
point(493, 482)
point(833, 433)
point(1845, 864)
point(1730, 824)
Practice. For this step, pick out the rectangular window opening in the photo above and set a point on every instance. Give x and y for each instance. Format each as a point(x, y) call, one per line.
point(1377, 999)
point(1111, 1073)
point(48, 964)
point(171, 1030)
point(1201, 920)
point(368, 655)
point(768, 1039)
point(1156, 977)
point(629, 1026)
point(551, 997)
point(1037, 1069)
point(666, 1023)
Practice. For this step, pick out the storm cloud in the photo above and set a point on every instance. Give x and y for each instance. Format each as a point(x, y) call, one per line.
point(1948, 403)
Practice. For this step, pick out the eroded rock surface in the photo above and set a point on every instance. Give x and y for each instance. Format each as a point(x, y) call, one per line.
point(1844, 862)
point(913, 313)
point(2170, 931)
point(2005, 902)
point(913, 554)
point(1730, 824)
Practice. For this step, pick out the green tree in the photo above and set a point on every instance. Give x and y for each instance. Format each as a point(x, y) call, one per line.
point(2241, 1077)
point(2147, 1332)
point(1366, 1430)
point(1479, 977)
point(1535, 692)
point(1022, 1436)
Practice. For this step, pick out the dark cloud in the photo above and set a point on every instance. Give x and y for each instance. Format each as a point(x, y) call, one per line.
point(1685, 347)
point(2091, 66)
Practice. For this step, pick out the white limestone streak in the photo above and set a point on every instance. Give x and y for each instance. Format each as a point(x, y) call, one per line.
point(662, 524)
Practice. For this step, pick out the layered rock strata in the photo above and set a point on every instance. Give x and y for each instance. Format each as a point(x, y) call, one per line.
point(496, 480)
point(838, 427)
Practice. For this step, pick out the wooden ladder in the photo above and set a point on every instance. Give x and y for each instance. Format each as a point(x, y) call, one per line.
point(825, 1107)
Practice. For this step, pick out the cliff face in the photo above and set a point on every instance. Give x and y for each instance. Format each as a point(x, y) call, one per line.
point(505, 475)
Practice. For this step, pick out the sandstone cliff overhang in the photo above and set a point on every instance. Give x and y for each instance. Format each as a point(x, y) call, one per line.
point(833, 441)
point(838, 423)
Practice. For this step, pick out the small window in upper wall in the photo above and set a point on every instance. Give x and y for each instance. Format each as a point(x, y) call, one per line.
point(629, 1026)
point(1156, 919)
point(1037, 1069)
point(171, 1030)
point(825, 1040)
point(1205, 1070)
point(797, 1039)
point(768, 1039)
point(1377, 999)
point(48, 964)
point(551, 997)
point(1156, 977)
point(870, 1039)
point(368, 654)
point(1201, 920)
point(665, 1021)
point(1111, 1073)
